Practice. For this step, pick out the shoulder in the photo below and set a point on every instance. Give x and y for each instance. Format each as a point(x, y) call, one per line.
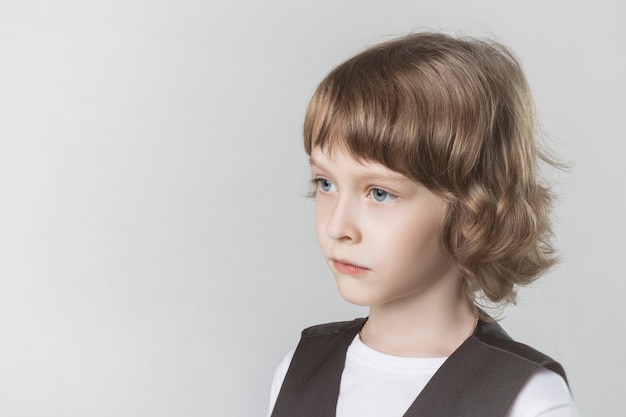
point(338, 327)
point(491, 335)
point(545, 394)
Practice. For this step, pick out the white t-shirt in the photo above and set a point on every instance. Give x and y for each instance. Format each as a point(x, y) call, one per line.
point(374, 384)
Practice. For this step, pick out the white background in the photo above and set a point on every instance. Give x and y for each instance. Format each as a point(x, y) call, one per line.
point(157, 253)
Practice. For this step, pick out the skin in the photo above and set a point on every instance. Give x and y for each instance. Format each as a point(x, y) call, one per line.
point(379, 233)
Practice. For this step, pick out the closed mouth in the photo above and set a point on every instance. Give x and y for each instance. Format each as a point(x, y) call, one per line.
point(346, 267)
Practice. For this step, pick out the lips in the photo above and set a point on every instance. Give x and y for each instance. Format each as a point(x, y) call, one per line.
point(346, 267)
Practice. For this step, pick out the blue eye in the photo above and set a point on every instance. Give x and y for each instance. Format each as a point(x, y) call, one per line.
point(382, 196)
point(325, 185)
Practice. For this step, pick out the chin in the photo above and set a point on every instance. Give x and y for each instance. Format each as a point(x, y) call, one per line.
point(355, 296)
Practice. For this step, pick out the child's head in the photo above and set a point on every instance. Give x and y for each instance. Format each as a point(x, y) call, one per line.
point(455, 115)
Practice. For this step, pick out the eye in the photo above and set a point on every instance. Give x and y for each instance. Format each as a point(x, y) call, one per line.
point(382, 196)
point(325, 185)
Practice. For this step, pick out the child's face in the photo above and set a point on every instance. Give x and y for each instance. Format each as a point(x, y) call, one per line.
point(378, 230)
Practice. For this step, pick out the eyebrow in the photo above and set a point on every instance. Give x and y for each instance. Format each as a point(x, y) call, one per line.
point(312, 162)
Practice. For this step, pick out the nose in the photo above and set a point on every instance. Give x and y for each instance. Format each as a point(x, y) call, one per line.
point(343, 220)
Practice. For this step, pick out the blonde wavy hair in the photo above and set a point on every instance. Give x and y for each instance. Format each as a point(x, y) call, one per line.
point(456, 115)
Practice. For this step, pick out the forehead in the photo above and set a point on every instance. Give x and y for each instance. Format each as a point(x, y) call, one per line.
point(339, 159)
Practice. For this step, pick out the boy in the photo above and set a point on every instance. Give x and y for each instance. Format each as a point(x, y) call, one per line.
point(423, 155)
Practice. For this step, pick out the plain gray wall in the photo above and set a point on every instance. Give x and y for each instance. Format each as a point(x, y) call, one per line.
point(157, 253)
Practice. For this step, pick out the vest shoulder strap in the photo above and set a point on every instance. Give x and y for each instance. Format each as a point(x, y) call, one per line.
point(334, 328)
point(492, 335)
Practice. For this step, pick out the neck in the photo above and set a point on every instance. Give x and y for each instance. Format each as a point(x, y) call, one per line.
point(422, 327)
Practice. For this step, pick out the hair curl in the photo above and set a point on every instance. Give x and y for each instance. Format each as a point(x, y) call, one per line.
point(456, 115)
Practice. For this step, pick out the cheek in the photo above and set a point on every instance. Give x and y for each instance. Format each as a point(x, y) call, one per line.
point(321, 217)
point(410, 241)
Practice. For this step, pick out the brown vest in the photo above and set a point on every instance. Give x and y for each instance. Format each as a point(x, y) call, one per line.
point(480, 379)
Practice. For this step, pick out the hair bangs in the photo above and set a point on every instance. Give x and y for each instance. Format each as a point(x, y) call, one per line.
point(361, 110)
